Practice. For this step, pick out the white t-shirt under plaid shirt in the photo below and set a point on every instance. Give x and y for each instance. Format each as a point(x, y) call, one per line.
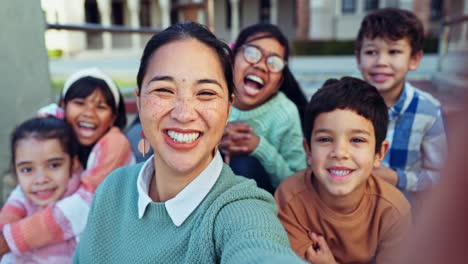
point(418, 143)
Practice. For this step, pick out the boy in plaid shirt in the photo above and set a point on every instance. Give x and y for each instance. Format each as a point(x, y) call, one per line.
point(388, 45)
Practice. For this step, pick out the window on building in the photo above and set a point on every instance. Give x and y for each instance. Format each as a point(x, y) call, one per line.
point(117, 13)
point(348, 6)
point(265, 8)
point(228, 13)
point(229, 16)
point(371, 5)
point(93, 39)
point(145, 13)
point(174, 12)
point(92, 12)
point(436, 9)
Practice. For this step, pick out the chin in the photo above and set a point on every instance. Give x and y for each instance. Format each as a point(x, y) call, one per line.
point(184, 167)
point(340, 192)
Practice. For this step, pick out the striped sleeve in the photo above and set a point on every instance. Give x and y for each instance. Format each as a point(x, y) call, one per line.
point(14, 208)
point(66, 218)
point(112, 151)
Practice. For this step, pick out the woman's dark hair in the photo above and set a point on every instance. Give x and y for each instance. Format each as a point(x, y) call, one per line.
point(85, 86)
point(44, 129)
point(351, 94)
point(182, 31)
point(289, 86)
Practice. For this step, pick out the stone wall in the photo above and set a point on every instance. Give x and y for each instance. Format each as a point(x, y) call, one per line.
point(25, 81)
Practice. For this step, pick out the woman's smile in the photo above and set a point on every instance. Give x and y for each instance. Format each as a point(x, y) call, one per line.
point(182, 139)
point(184, 106)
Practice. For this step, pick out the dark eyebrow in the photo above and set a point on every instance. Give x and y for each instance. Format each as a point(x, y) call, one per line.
point(354, 131)
point(55, 159)
point(212, 81)
point(321, 130)
point(369, 44)
point(360, 131)
point(22, 163)
point(395, 44)
point(161, 78)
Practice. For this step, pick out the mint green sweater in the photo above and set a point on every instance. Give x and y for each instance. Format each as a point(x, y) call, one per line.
point(277, 124)
point(235, 223)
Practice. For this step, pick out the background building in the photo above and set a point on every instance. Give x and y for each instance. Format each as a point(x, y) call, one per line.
point(298, 19)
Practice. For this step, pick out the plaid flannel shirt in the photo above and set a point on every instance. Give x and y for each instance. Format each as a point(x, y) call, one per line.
point(418, 143)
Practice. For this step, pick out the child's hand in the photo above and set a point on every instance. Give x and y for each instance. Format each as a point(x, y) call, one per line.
point(237, 139)
point(319, 252)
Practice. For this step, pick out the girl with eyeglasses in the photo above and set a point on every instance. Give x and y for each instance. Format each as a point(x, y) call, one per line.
point(263, 139)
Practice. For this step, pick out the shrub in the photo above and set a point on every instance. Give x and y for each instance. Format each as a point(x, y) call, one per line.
point(55, 53)
point(343, 47)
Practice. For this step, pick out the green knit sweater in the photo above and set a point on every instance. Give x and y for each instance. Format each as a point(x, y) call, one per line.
point(278, 126)
point(235, 223)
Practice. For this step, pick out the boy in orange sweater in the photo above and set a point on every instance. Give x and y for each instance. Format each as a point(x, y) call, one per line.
point(335, 210)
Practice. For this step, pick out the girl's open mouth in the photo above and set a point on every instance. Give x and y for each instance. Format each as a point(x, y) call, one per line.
point(253, 85)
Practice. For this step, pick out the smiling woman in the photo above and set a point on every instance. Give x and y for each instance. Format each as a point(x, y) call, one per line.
point(183, 205)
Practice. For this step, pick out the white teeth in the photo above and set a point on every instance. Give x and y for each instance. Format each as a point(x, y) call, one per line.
point(183, 137)
point(87, 125)
point(255, 79)
point(340, 172)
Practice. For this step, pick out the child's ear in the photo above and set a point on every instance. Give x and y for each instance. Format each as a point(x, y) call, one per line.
point(62, 104)
point(415, 60)
point(305, 145)
point(379, 156)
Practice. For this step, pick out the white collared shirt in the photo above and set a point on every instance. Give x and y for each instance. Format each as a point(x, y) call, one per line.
point(186, 201)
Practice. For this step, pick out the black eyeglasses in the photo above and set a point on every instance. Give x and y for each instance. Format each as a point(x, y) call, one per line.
point(254, 55)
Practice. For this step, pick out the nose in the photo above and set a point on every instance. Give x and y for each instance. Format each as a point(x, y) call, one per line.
point(184, 110)
point(89, 110)
point(40, 177)
point(382, 59)
point(262, 64)
point(340, 150)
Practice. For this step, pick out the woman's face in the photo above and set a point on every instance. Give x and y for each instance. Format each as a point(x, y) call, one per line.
point(255, 83)
point(90, 117)
point(183, 106)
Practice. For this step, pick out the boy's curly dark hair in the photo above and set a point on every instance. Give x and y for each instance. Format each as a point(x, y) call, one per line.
point(351, 94)
point(392, 24)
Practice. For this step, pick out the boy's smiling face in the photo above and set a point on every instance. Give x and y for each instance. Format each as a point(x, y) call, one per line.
point(343, 154)
point(384, 64)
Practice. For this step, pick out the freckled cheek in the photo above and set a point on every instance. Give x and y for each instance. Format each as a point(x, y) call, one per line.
point(215, 114)
point(154, 107)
